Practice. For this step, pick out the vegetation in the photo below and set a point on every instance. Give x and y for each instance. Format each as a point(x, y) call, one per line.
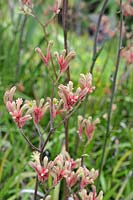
point(111, 149)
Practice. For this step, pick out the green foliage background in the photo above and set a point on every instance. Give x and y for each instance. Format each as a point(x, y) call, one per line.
point(15, 174)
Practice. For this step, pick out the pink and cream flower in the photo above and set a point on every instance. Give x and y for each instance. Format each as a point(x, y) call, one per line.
point(17, 109)
point(88, 126)
point(45, 58)
point(92, 195)
point(41, 170)
point(67, 95)
point(37, 109)
point(55, 107)
point(85, 85)
point(86, 176)
point(64, 60)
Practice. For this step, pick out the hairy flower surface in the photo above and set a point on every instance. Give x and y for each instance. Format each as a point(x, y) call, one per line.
point(63, 60)
point(71, 178)
point(58, 169)
point(87, 126)
point(92, 195)
point(45, 58)
point(85, 85)
point(55, 108)
point(86, 176)
point(42, 171)
point(66, 94)
point(69, 97)
point(17, 109)
point(64, 167)
point(37, 110)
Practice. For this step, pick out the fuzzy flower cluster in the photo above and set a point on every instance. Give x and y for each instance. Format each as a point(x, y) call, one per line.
point(17, 109)
point(63, 60)
point(87, 126)
point(45, 58)
point(55, 107)
point(64, 167)
point(37, 109)
point(23, 111)
point(83, 194)
point(69, 97)
point(127, 54)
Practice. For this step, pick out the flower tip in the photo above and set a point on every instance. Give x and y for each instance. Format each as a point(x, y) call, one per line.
point(73, 54)
point(13, 88)
point(64, 51)
point(80, 117)
point(51, 42)
point(56, 54)
point(37, 49)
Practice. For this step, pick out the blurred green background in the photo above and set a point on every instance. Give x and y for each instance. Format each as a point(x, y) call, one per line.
point(21, 66)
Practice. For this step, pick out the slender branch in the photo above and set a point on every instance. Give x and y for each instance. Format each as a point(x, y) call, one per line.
point(95, 52)
point(47, 139)
point(82, 158)
point(54, 68)
point(107, 135)
point(36, 188)
point(28, 142)
point(64, 20)
point(40, 136)
point(47, 193)
point(50, 20)
point(41, 24)
point(105, 62)
point(50, 122)
point(51, 110)
point(66, 134)
point(94, 57)
point(62, 122)
point(45, 35)
point(20, 46)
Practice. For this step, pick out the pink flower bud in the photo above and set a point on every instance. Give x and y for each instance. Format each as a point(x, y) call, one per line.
point(63, 60)
point(45, 58)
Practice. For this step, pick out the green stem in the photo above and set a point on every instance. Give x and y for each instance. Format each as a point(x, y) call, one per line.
point(107, 134)
point(94, 57)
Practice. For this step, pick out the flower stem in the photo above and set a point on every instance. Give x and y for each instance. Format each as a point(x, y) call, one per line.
point(64, 20)
point(51, 131)
point(27, 140)
point(94, 57)
point(20, 46)
point(36, 188)
point(107, 134)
